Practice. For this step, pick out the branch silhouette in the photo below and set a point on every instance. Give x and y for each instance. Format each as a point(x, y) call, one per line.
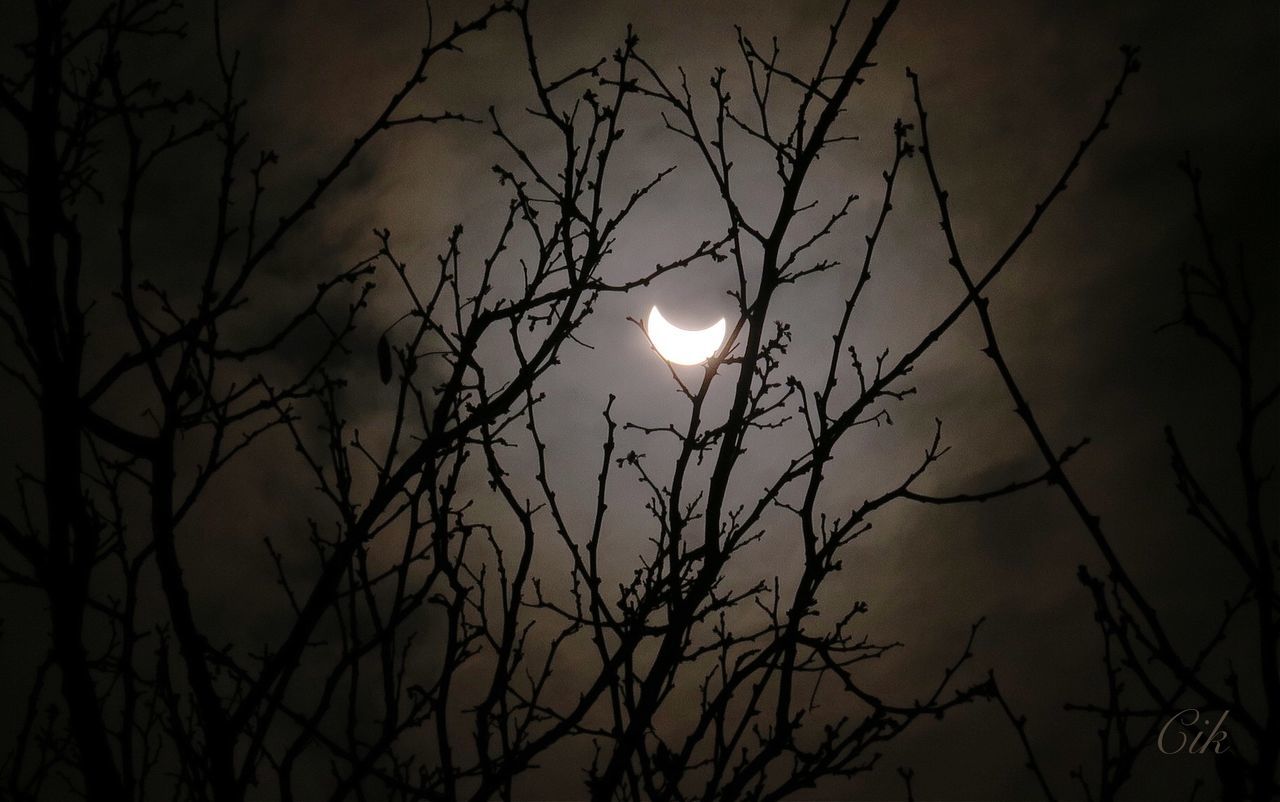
point(447, 620)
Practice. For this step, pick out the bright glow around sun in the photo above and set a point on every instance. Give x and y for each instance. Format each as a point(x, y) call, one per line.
point(680, 346)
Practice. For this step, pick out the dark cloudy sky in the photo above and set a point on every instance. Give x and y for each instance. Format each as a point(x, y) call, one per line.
point(1011, 86)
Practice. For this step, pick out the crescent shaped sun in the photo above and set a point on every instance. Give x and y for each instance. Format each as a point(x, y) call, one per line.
point(681, 346)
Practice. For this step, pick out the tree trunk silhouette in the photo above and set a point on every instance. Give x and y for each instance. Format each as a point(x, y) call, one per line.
point(420, 647)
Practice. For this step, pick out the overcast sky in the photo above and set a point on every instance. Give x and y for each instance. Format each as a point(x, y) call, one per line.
point(1011, 87)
